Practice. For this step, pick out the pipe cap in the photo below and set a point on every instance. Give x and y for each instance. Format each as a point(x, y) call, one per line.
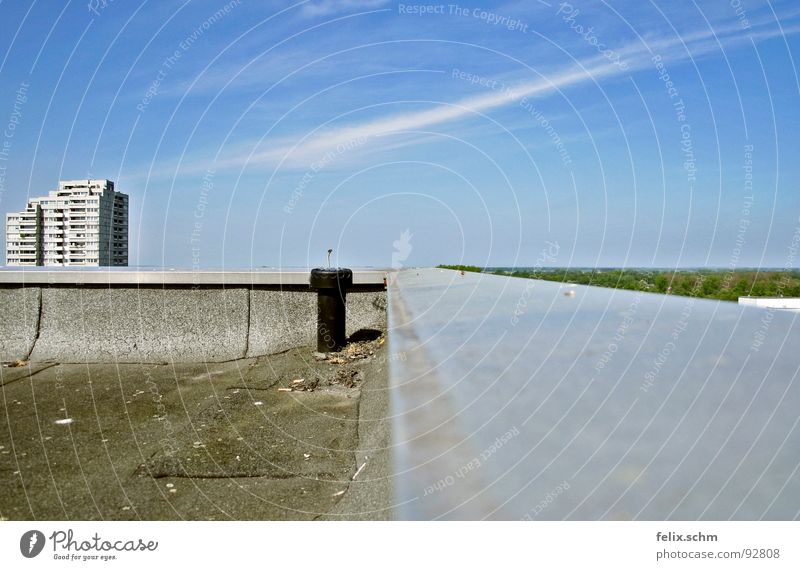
point(331, 278)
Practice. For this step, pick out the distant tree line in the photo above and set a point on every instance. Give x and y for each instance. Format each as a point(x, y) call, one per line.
point(722, 284)
point(471, 268)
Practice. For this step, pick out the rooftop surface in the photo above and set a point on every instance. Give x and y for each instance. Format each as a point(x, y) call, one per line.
point(508, 399)
point(196, 441)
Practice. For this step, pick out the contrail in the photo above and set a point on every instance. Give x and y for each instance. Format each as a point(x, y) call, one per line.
point(637, 55)
point(301, 151)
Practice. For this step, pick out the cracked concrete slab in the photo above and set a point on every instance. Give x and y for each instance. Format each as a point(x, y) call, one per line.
point(114, 441)
point(9, 374)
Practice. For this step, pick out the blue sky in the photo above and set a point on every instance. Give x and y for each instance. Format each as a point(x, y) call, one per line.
point(261, 133)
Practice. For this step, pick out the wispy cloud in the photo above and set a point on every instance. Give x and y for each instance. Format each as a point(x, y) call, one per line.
point(328, 7)
point(304, 149)
point(312, 147)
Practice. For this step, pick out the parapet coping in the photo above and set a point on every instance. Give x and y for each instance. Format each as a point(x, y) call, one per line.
point(134, 277)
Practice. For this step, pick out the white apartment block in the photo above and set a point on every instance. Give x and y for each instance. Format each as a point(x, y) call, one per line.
point(84, 222)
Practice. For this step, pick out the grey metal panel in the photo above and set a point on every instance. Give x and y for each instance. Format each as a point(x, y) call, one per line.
point(517, 398)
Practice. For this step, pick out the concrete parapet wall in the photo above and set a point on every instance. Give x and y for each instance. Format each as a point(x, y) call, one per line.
point(366, 310)
point(174, 324)
point(280, 320)
point(145, 325)
point(19, 317)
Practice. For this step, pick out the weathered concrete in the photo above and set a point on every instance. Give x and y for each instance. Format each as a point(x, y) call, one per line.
point(366, 310)
point(369, 495)
point(173, 324)
point(10, 374)
point(144, 325)
point(19, 316)
point(195, 441)
point(280, 320)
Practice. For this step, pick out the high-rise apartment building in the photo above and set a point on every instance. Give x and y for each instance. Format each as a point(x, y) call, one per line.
point(84, 222)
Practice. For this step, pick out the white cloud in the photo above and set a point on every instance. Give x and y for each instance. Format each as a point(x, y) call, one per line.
point(328, 7)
